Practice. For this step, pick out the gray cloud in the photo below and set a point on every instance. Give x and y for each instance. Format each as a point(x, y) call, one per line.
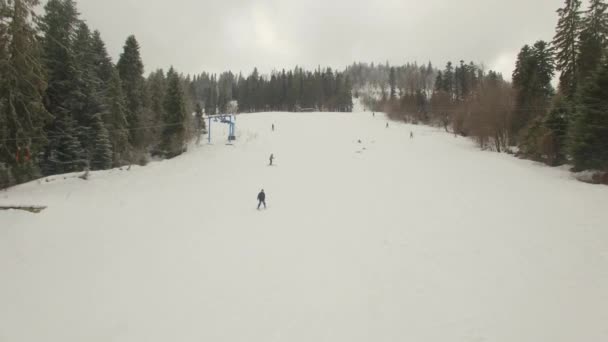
point(197, 36)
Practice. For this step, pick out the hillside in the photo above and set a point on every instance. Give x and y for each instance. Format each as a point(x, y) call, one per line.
point(390, 239)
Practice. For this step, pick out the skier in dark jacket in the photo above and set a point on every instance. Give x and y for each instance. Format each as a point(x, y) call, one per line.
point(271, 159)
point(262, 199)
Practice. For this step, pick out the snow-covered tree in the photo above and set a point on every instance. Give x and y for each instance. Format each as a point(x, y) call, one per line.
point(22, 88)
point(101, 158)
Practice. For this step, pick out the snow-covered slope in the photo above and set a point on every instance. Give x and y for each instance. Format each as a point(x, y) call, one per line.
point(392, 239)
point(358, 105)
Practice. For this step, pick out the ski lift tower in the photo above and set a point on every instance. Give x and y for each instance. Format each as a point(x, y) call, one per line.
point(229, 119)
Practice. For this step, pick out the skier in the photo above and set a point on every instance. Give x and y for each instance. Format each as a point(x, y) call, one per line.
point(411, 135)
point(271, 159)
point(387, 125)
point(374, 114)
point(273, 127)
point(262, 199)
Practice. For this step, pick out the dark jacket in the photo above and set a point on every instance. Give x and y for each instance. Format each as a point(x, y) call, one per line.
point(261, 196)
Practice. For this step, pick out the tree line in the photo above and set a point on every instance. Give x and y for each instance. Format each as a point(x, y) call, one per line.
point(381, 82)
point(291, 90)
point(528, 116)
point(65, 106)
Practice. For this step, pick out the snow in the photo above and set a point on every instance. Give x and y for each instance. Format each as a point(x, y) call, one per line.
point(392, 239)
point(358, 105)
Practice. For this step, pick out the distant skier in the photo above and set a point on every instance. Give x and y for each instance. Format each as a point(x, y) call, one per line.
point(387, 125)
point(262, 199)
point(374, 114)
point(273, 127)
point(411, 135)
point(271, 159)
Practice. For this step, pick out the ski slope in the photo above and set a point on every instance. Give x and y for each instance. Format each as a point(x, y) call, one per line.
point(394, 239)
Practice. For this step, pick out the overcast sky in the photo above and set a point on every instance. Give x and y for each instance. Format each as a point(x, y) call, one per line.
point(202, 35)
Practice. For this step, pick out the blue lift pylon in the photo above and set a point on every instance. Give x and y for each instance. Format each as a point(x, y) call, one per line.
point(229, 119)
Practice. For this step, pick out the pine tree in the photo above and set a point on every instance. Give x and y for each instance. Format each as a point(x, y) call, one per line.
point(448, 80)
point(116, 121)
point(347, 95)
point(102, 62)
point(22, 87)
point(292, 91)
point(532, 77)
point(65, 153)
point(523, 77)
point(544, 69)
point(59, 26)
point(186, 83)
point(101, 70)
point(589, 140)
point(174, 133)
point(131, 70)
point(567, 46)
point(90, 88)
point(429, 78)
point(155, 90)
point(108, 89)
point(439, 83)
point(64, 97)
point(460, 86)
point(5, 153)
point(101, 158)
point(199, 122)
point(593, 38)
point(211, 97)
point(557, 122)
point(393, 83)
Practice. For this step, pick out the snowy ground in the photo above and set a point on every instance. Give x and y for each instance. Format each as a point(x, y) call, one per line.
point(389, 240)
